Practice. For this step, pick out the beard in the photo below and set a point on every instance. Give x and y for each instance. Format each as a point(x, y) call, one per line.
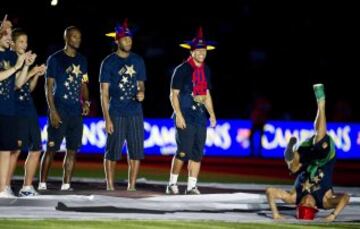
point(125, 49)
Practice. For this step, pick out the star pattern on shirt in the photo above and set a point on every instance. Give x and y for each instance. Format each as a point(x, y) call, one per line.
point(71, 78)
point(127, 82)
point(306, 186)
point(6, 65)
point(130, 70)
point(72, 84)
point(76, 70)
point(5, 88)
point(24, 93)
point(124, 79)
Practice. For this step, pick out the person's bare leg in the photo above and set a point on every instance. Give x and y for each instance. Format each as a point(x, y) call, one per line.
point(320, 120)
point(193, 173)
point(175, 169)
point(133, 170)
point(68, 166)
point(14, 155)
point(273, 194)
point(176, 166)
point(45, 165)
point(194, 169)
point(4, 168)
point(336, 202)
point(109, 169)
point(30, 167)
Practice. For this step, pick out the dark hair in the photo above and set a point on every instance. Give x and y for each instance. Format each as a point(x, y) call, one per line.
point(69, 29)
point(17, 32)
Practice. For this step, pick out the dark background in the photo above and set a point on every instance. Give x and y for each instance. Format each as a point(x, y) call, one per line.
point(272, 49)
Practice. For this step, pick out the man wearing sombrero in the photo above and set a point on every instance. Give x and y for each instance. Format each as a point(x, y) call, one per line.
point(190, 98)
point(313, 162)
point(122, 77)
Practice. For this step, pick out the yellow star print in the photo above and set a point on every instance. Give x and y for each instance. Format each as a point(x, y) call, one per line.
point(130, 70)
point(307, 186)
point(76, 70)
point(6, 65)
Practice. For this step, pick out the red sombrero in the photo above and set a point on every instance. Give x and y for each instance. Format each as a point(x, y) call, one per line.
point(306, 213)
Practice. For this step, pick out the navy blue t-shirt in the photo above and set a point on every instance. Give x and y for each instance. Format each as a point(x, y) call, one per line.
point(317, 187)
point(69, 73)
point(7, 87)
point(24, 102)
point(182, 79)
point(122, 74)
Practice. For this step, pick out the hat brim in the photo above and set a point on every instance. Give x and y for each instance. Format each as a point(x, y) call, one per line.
point(113, 35)
point(189, 47)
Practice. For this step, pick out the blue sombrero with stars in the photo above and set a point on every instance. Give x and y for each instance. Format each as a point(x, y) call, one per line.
point(198, 42)
point(121, 31)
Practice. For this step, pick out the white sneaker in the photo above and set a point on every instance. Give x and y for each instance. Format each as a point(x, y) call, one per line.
point(42, 186)
point(172, 189)
point(7, 193)
point(9, 190)
point(193, 191)
point(66, 187)
point(28, 191)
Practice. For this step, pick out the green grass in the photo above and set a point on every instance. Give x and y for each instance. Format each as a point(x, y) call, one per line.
point(109, 224)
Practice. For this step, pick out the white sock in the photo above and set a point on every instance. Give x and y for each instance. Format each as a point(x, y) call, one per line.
point(173, 178)
point(191, 183)
point(27, 187)
point(65, 186)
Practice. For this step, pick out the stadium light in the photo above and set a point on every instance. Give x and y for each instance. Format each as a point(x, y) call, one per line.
point(54, 2)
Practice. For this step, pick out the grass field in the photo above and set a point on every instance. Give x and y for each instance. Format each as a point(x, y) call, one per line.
point(69, 224)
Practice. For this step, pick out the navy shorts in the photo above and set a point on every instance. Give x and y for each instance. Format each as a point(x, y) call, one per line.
point(29, 133)
point(8, 133)
point(129, 129)
point(71, 129)
point(190, 142)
